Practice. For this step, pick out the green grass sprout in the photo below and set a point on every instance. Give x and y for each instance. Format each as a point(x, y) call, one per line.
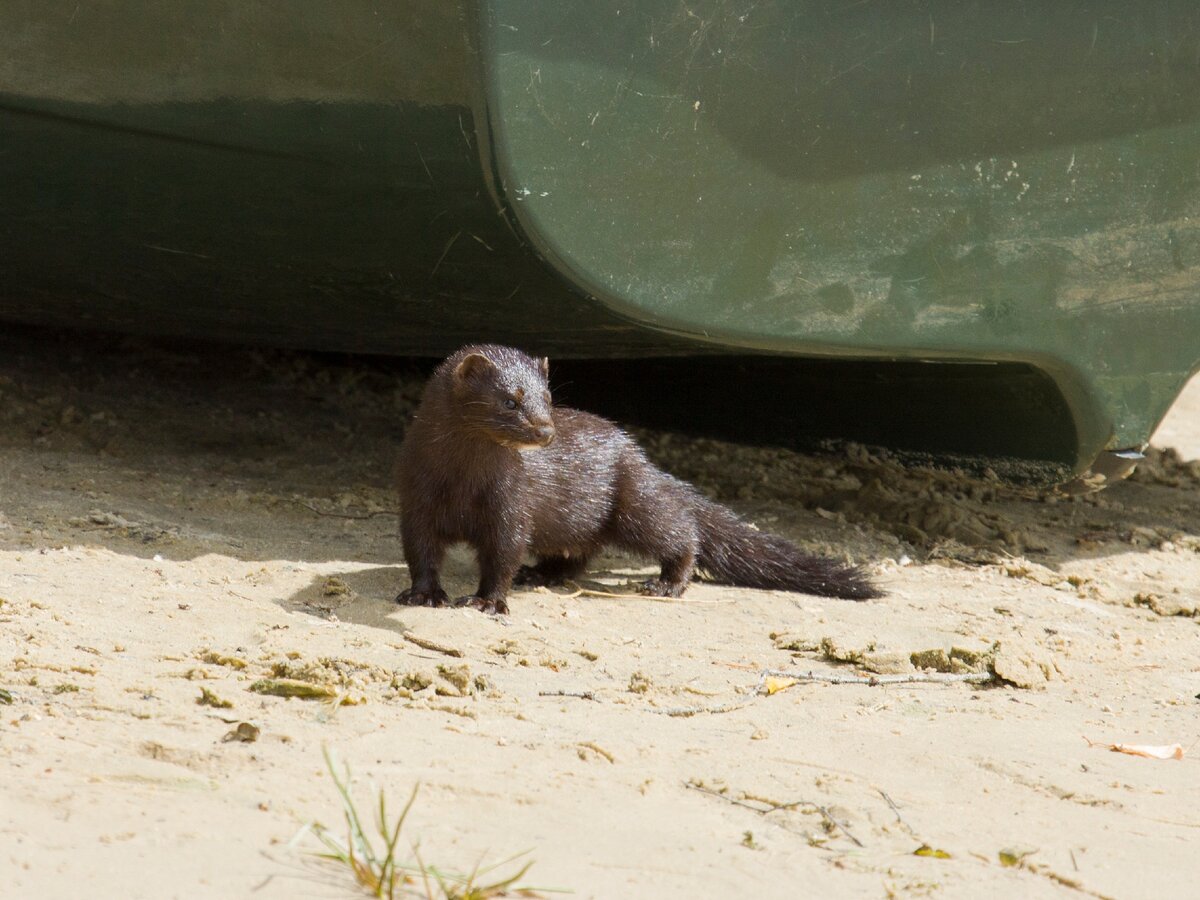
point(373, 863)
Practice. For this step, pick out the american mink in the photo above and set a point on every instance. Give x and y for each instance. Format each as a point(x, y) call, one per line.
point(489, 461)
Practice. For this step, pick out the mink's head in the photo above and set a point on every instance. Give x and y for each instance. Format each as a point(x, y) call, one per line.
point(502, 394)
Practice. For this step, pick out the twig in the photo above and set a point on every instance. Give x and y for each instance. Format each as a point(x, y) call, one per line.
point(431, 645)
point(336, 515)
point(772, 806)
point(757, 691)
point(596, 748)
point(896, 810)
point(684, 712)
point(1062, 880)
point(775, 806)
point(606, 595)
point(874, 680)
point(588, 592)
point(688, 712)
point(842, 825)
point(580, 695)
point(731, 800)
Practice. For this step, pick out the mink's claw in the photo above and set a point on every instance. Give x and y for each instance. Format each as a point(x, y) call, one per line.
point(413, 597)
point(656, 587)
point(496, 607)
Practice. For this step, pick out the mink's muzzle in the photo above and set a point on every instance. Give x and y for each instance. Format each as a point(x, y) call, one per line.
point(522, 435)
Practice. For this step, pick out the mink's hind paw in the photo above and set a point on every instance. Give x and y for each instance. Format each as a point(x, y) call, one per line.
point(551, 571)
point(496, 607)
point(535, 576)
point(413, 597)
point(656, 587)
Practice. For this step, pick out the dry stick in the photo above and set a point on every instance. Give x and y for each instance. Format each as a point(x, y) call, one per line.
point(773, 806)
point(896, 810)
point(684, 712)
point(596, 748)
point(732, 800)
point(335, 515)
point(579, 695)
point(588, 592)
point(430, 645)
point(874, 680)
point(1062, 880)
point(581, 591)
point(776, 807)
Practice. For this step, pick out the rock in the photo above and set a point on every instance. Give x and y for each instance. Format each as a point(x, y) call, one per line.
point(459, 678)
point(974, 660)
point(797, 643)
point(1168, 606)
point(1023, 665)
point(835, 652)
point(931, 659)
point(887, 662)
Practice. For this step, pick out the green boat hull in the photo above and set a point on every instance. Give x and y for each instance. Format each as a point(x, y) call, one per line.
point(1010, 190)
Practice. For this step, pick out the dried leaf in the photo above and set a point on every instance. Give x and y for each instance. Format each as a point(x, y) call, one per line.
point(774, 685)
point(1015, 856)
point(1148, 751)
point(926, 850)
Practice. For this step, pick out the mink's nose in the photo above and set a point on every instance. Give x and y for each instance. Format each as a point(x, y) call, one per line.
point(545, 434)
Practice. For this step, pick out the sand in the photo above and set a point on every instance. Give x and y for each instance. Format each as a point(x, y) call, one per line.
point(159, 536)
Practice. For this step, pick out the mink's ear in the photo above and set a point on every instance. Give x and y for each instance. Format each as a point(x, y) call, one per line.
point(472, 365)
point(544, 365)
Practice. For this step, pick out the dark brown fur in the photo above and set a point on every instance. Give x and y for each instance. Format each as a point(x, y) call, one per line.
point(561, 484)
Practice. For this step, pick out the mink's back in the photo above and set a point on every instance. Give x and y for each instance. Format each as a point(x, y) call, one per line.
point(572, 484)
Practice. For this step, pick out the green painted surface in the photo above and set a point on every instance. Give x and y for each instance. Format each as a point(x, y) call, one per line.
point(304, 174)
point(983, 181)
point(1010, 186)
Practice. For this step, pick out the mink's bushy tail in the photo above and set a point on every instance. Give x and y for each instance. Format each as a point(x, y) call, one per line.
point(733, 552)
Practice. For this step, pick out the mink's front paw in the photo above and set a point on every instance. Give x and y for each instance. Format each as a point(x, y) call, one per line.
point(656, 587)
point(496, 607)
point(413, 597)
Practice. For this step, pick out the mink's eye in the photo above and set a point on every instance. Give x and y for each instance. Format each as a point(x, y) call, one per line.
point(510, 403)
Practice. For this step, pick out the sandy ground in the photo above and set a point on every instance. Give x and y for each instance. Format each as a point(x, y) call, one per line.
point(158, 537)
